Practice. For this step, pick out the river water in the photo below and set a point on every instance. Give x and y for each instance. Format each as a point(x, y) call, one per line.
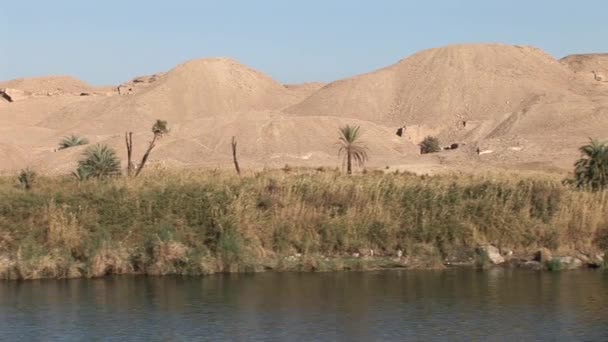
point(451, 305)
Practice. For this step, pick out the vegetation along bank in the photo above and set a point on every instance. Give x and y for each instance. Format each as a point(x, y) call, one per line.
point(203, 222)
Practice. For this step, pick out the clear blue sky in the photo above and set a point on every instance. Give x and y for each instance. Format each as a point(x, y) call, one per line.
point(110, 41)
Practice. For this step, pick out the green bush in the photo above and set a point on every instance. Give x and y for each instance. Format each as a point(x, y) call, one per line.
point(555, 265)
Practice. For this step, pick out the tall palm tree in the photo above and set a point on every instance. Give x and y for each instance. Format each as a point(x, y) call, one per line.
point(352, 148)
point(592, 169)
point(99, 161)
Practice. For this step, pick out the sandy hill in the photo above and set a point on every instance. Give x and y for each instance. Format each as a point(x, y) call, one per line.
point(518, 105)
point(447, 85)
point(212, 86)
point(593, 66)
point(50, 84)
point(196, 89)
point(206, 102)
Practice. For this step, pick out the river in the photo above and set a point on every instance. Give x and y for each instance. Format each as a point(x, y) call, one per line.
point(406, 305)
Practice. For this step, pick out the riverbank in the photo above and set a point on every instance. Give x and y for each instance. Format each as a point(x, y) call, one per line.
point(203, 222)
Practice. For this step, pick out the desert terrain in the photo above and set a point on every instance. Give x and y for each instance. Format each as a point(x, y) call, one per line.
point(517, 105)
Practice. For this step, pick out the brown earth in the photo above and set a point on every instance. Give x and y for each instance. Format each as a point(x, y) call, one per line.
point(518, 105)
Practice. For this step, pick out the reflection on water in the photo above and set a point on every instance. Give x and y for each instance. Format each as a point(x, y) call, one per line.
point(393, 305)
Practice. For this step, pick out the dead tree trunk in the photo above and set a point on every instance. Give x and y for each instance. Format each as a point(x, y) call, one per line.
point(234, 158)
point(146, 155)
point(129, 142)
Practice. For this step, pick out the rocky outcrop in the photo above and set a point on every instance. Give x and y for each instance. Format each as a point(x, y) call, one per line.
point(137, 83)
point(12, 95)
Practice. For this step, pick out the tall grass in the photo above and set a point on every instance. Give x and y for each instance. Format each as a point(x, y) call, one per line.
point(204, 222)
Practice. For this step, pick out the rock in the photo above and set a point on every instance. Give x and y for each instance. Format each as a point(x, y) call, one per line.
point(124, 90)
point(508, 253)
point(491, 254)
point(582, 257)
point(543, 255)
point(534, 265)
point(600, 77)
point(567, 262)
point(12, 95)
point(595, 261)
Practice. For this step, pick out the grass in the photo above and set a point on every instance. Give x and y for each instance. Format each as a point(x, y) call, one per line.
point(205, 222)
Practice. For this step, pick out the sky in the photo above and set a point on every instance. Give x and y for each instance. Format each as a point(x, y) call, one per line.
point(111, 41)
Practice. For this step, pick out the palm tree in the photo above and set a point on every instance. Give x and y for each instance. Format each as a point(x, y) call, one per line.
point(99, 161)
point(71, 141)
point(591, 171)
point(352, 148)
point(159, 129)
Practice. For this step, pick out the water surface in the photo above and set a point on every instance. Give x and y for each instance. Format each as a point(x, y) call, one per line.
point(452, 305)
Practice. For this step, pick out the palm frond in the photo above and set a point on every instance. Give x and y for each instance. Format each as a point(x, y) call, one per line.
point(591, 170)
point(71, 141)
point(160, 128)
point(98, 161)
point(351, 148)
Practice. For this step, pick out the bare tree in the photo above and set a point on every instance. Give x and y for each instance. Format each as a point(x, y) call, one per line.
point(234, 158)
point(159, 129)
point(129, 142)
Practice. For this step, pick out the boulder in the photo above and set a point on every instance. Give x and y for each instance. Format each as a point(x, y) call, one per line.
point(543, 255)
point(491, 254)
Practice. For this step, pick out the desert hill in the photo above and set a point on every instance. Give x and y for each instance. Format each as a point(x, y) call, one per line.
point(518, 105)
point(193, 90)
point(50, 84)
point(447, 85)
point(592, 66)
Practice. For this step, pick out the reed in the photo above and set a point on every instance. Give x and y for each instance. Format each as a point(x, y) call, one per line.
point(200, 222)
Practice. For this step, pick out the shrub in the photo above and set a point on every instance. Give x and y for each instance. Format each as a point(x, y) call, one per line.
point(430, 144)
point(555, 265)
point(71, 141)
point(99, 161)
point(26, 178)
